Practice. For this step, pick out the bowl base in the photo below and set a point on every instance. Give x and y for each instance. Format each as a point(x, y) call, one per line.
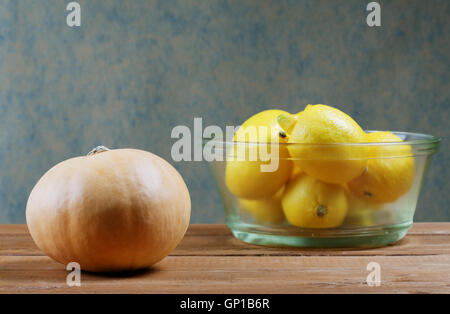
point(367, 237)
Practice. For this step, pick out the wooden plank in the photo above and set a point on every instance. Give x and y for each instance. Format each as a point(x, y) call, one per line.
point(13, 229)
point(233, 274)
point(216, 240)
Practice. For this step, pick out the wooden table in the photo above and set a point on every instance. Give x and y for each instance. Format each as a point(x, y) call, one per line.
point(210, 260)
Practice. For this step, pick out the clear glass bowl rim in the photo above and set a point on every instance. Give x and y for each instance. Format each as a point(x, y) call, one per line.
point(417, 139)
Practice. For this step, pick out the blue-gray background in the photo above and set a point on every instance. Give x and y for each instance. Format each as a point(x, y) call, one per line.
point(135, 69)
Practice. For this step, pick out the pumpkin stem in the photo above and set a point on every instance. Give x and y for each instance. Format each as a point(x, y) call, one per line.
point(97, 150)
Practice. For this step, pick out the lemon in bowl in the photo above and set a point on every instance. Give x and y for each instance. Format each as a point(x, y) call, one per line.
point(309, 203)
point(245, 175)
point(389, 172)
point(317, 130)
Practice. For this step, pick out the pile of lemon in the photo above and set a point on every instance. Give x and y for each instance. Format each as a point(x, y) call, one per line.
point(322, 168)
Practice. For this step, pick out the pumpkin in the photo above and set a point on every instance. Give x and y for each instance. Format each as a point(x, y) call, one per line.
point(112, 210)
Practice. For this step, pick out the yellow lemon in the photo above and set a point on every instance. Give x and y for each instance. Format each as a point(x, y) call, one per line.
point(258, 170)
point(360, 218)
point(267, 210)
point(360, 212)
point(321, 127)
point(389, 173)
point(296, 171)
point(309, 203)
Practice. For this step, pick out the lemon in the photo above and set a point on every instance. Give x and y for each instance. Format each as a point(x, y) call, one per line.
point(309, 203)
point(360, 218)
point(267, 210)
point(360, 212)
point(389, 173)
point(321, 124)
point(244, 176)
point(296, 171)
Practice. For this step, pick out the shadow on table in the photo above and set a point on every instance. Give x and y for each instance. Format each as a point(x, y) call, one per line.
point(123, 274)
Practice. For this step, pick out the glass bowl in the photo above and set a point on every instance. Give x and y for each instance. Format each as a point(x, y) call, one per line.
point(272, 208)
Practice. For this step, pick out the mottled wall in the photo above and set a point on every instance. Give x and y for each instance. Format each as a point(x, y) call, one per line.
point(135, 69)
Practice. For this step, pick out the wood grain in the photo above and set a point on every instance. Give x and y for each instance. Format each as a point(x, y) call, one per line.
point(210, 260)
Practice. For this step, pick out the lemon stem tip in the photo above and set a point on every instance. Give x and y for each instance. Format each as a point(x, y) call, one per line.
point(321, 211)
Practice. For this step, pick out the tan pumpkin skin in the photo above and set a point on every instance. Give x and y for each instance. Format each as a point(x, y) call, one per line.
point(116, 210)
